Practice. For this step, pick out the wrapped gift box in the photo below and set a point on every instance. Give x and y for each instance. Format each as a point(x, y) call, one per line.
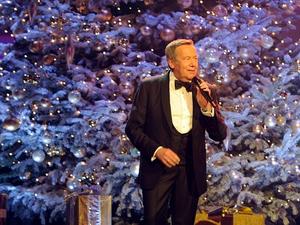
point(3, 206)
point(238, 218)
point(89, 210)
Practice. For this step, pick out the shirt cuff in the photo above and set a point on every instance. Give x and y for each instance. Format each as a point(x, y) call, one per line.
point(210, 113)
point(154, 157)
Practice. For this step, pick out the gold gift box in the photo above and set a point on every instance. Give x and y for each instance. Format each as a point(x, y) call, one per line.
point(244, 217)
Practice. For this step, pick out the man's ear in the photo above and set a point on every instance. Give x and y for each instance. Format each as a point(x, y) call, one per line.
point(171, 63)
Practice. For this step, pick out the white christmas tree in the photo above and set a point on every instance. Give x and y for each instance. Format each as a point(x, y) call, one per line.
point(68, 79)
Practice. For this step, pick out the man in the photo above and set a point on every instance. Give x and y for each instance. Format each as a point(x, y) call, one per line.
point(167, 124)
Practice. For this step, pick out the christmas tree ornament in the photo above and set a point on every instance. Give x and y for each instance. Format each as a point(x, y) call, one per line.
point(134, 168)
point(25, 176)
point(266, 41)
point(82, 6)
point(60, 22)
point(196, 29)
point(148, 2)
point(295, 125)
point(72, 184)
point(98, 46)
point(49, 59)
point(18, 94)
point(125, 144)
point(126, 89)
point(11, 124)
point(146, 30)
point(134, 152)
point(95, 28)
point(55, 151)
point(251, 22)
point(36, 46)
point(74, 97)
point(270, 121)
point(122, 117)
point(167, 35)
point(283, 94)
point(212, 55)
point(187, 30)
point(244, 53)
point(92, 123)
point(34, 106)
point(220, 10)
point(185, 3)
point(32, 78)
point(222, 161)
point(9, 84)
point(45, 103)
point(79, 152)
point(94, 6)
point(257, 128)
point(47, 138)
point(104, 15)
point(221, 78)
point(124, 42)
point(209, 150)
point(297, 66)
point(281, 121)
point(38, 156)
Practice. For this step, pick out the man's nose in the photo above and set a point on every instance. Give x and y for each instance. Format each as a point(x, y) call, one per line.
point(193, 63)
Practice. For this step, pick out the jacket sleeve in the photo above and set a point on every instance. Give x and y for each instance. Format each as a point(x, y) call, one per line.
point(135, 127)
point(215, 126)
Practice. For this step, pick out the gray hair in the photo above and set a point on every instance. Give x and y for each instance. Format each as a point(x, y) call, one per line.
point(171, 47)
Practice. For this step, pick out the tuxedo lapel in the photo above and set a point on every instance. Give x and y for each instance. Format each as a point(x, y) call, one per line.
point(196, 111)
point(165, 100)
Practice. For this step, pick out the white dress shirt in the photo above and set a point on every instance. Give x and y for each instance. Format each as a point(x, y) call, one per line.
point(181, 103)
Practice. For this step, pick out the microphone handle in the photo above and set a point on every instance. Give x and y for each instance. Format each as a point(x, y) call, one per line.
point(205, 94)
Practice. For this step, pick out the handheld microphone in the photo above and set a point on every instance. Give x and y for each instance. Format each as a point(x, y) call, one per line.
point(196, 80)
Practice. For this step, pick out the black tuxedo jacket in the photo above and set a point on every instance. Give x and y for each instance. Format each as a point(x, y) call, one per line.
point(149, 126)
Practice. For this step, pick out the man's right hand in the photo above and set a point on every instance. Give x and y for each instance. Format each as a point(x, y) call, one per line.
point(167, 157)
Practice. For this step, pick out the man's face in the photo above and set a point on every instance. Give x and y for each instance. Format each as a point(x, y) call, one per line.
point(185, 64)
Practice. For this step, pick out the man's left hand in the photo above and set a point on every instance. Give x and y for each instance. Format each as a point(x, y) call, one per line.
point(203, 103)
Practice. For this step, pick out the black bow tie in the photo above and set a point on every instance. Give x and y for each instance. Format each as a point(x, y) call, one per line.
point(179, 84)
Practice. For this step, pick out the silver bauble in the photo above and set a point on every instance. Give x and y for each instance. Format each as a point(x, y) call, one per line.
point(295, 125)
point(18, 94)
point(74, 97)
point(167, 34)
point(270, 121)
point(47, 138)
point(244, 53)
point(72, 184)
point(185, 3)
point(38, 156)
point(266, 41)
point(146, 30)
point(220, 10)
point(11, 124)
point(212, 55)
point(79, 153)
